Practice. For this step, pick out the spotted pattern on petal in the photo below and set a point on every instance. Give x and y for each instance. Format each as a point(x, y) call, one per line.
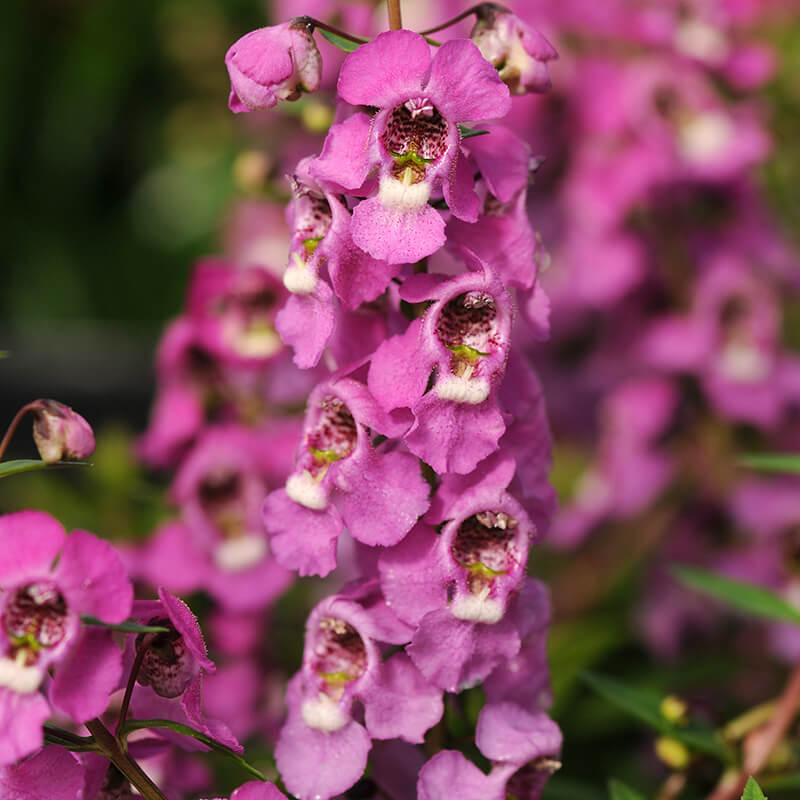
point(424, 134)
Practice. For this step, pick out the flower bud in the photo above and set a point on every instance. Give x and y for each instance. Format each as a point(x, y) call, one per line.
point(271, 64)
point(60, 434)
point(519, 52)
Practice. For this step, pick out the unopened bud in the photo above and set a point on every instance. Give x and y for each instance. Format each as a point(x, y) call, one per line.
point(674, 710)
point(271, 64)
point(519, 51)
point(60, 434)
point(673, 753)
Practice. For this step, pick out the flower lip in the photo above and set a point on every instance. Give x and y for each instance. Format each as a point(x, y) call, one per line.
point(166, 666)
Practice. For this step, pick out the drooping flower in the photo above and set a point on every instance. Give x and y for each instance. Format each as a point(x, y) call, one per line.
point(272, 64)
point(40, 626)
point(414, 139)
point(172, 665)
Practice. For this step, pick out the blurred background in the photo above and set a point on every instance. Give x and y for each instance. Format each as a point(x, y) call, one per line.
point(119, 165)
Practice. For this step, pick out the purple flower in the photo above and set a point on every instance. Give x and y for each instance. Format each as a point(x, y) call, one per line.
point(415, 138)
point(60, 434)
point(272, 64)
point(40, 626)
point(461, 588)
point(171, 670)
point(339, 479)
point(522, 746)
point(234, 310)
point(463, 342)
point(322, 750)
point(519, 51)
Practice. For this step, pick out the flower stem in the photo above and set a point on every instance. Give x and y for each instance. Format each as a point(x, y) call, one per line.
point(395, 19)
point(313, 23)
point(14, 424)
point(480, 9)
point(126, 700)
point(108, 746)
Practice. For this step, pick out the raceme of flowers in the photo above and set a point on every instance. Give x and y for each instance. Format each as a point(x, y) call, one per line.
point(416, 478)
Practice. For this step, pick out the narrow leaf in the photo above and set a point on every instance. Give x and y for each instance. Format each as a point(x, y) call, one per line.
point(468, 133)
point(339, 41)
point(137, 724)
point(68, 740)
point(646, 707)
point(126, 627)
point(619, 791)
point(752, 791)
point(773, 462)
point(8, 468)
point(747, 597)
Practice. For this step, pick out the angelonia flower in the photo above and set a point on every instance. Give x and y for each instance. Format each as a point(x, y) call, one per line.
point(60, 433)
point(48, 581)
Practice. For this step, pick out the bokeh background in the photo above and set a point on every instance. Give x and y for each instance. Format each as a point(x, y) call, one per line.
point(119, 162)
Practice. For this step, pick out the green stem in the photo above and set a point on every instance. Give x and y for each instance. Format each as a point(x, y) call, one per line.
point(126, 700)
point(481, 9)
point(108, 746)
point(68, 740)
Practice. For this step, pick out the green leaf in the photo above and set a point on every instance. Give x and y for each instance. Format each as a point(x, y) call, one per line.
point(747, 597)
point(775, 462)
point(8, 468)
point(126, 627)
point(752, 791)
point(619, 791)
point(645, 706)
point(138, 724)
point(468, 133)
point(339, 41)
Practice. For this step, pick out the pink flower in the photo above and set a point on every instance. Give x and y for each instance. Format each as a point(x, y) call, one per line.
point(322, 750)
point(414, 139)
point(40, 626)
point(272, 64)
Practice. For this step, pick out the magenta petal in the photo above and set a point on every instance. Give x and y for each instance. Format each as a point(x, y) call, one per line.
point(29, 541)
point(192, 704)
point(52, 774)
point(186, 624)
point(464, 85)
point(454, 437)
point(83, 693)
point(395, 235)
point(454, 654)
point(503, 160)
point(301, 539)
point(506, 732)
point(413, 579)
point(171, 559)
point(21, 720)
point(316, 765)
point(397, 374)
point(306, 323)
point(345, 154)
point(93, 579)
point(386, 70)
point(448, 772)
point(459, 191)
point(255, 790)
point(401, 703)
point(385, 499)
